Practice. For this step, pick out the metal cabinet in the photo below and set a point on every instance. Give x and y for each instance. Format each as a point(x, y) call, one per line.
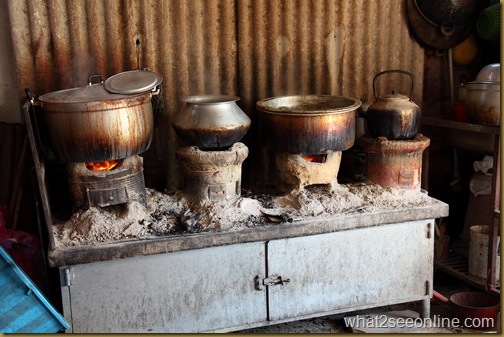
point(350, 270)
point(188, 291)
point(246, 285)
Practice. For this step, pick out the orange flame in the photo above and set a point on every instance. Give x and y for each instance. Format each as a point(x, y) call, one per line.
point(316, 158)
point(102, 165)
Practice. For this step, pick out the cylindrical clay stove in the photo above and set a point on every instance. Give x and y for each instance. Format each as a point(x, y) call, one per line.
point(212, 175)
point(395, 163)
point(101, 188)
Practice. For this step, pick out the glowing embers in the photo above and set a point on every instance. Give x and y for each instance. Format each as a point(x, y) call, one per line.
point(106, 183)
point(103, 165)
point(316, 158)
point(297, 171)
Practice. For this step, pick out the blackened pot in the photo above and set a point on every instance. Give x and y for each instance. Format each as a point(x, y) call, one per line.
point(211, 122)
point(308, 124)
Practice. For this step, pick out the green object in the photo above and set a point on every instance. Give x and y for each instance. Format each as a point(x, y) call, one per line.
point(488, 23)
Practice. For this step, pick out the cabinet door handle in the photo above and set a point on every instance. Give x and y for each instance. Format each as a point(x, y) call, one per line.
point(261, 282)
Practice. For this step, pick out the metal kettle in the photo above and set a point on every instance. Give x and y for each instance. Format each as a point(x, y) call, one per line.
point(393, 116)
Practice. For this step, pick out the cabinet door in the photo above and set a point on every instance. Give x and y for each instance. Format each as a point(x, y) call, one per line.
point(188, 291)
point(366, 267)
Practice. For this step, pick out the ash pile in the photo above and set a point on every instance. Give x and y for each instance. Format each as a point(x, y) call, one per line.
point(166, 214)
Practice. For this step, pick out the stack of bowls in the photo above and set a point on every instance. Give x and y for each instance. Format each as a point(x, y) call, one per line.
point(482, 101)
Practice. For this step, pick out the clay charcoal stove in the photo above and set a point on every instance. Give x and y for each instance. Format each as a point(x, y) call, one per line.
point(298, 171)
point(212, 175)
point(106, 183)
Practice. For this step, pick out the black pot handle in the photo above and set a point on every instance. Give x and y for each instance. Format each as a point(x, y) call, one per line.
point(90, 79)
point(28, 92)
point(31, 98)
point(398, 72)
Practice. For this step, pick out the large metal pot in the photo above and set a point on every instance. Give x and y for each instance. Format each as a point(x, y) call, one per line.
point(90, 124)
point(211, 121)
point(393, 116)
point(308, 124)
point(482, 102)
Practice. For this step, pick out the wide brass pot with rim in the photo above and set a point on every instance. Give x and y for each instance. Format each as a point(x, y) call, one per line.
point(308, 124)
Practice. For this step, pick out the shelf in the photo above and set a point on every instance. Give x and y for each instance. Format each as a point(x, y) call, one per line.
point(481, 139)
point(446, 122)
point(457, 266)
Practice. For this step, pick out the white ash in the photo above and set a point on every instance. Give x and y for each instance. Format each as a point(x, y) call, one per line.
point(172, 214)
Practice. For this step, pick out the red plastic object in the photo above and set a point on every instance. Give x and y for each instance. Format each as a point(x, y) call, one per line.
point(460, 113)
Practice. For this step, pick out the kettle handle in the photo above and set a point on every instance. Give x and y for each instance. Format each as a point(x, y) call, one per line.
point(395, 71)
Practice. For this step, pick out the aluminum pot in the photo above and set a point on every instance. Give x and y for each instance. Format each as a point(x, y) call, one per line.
point(308, 124)
point(90, 124)
point(211, 122)
point(393, 116)
point(482, 102)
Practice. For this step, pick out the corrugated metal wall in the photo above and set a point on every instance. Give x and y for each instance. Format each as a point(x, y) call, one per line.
point(249, 48)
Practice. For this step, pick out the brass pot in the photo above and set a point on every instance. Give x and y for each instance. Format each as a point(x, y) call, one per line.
point(308, 124)
point(393, 116)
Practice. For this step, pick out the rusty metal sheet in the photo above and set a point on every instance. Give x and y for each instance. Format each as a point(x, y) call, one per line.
point(248, 48)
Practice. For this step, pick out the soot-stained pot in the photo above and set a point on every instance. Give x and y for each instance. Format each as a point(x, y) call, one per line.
point(90, 124)
point(393, 116)
point(308, 124)
point(211, 122)
point(483, 96)
point(482, 102)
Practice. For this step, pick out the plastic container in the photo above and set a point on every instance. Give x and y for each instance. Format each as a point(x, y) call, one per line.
point(478, 252)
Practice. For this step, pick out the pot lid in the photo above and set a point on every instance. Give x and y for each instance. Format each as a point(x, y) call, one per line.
point(483, 85)
point(133, 82)
point(94, 92)
point(443, 24)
